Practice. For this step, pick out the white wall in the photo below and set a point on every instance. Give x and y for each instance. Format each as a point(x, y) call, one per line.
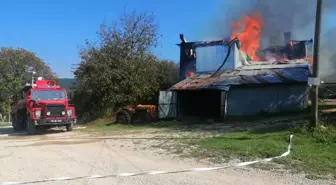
point(211, 57)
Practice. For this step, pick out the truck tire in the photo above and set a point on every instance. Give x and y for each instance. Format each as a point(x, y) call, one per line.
point(124, 117)
point(16, 123)
point(30, 126)
point(23, 122)
point(69, 127)
point(15, 127)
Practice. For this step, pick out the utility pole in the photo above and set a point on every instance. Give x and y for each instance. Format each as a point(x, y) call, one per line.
point(315, 80)
point(32, 81)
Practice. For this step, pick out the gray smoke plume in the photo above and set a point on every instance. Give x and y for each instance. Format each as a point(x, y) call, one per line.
point(279, 16)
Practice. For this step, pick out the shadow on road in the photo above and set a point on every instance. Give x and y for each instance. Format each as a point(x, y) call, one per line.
point(256, 127)
point(9, 131)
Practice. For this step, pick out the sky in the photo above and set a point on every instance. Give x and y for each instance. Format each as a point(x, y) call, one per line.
point(55, 30)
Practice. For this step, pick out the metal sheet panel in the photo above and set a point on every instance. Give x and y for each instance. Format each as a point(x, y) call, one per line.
point(211, 57)
point(250, 79)
point(255, 100)
point(297, 74)
point(271, 77)
point(293, 98)
point(225, 79)
point(251, 101)
point(167, 105)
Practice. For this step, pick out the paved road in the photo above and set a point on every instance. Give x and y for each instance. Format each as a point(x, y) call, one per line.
point(59, 154)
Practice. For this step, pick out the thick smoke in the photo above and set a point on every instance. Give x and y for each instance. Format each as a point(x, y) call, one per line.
point(279, 16)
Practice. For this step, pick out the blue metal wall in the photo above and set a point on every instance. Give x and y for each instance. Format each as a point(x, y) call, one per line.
point(242, 101)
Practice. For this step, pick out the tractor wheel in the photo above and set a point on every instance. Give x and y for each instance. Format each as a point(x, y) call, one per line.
point(123, 117)
point(30, 126)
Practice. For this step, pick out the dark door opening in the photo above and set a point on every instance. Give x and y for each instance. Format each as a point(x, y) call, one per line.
point(204, 104)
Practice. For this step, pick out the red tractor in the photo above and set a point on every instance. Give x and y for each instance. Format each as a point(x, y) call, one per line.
point(140, 113)
point(43, 104)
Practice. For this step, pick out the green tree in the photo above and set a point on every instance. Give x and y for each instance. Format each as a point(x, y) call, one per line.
point(168, 74)
point(15, 65)
point(121, 69)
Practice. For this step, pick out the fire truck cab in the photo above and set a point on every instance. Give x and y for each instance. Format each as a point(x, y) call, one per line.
point(43, 104)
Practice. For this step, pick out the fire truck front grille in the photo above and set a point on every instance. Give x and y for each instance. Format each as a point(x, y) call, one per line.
point(55, 110)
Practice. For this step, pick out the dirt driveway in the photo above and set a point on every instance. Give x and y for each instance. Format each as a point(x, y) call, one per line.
point(69, 154)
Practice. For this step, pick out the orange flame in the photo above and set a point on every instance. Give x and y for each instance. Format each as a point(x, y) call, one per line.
point(248, 31)
point(190, 74)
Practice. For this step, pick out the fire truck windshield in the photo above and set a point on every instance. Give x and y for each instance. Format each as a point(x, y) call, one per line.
point(48, 95)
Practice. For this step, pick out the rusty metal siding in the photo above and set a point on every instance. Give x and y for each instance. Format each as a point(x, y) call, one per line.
point(243, 101)
point(263, 76)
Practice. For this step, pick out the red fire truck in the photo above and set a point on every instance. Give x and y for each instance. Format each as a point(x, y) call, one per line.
point(42, 104)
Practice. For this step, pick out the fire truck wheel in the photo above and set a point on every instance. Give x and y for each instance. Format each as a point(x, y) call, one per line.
point(16, 123)
point(30, 126)
point(69, 127)
point(123, 117)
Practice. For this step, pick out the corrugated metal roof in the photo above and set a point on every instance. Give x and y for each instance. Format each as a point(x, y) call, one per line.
point(224, 79)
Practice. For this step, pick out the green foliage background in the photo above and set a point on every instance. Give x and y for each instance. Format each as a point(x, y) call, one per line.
point(15, 64)
point(120, 69)
point(117, 69)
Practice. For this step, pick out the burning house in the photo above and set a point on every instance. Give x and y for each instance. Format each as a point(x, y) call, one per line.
point(221, 78)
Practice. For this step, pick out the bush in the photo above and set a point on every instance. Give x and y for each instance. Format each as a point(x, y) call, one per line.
point(121, 70)
point(319, 134)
